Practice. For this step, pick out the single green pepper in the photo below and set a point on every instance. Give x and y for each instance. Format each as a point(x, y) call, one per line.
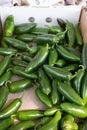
point(26, 37)
point(66, 89)
point(43, 97)
point(74, 110)
point(22, 125)
point(8, 26)
point(44, 82)
point(58, 73)
point(18, 44)
point(52, 57)
point(4, 44)
point(19, 62)
point(67, 55)
point(50, 39)
point(38, 60)
point(71, 67)
point(5, 77)
point(79, 40)
point(54, 29)
point(60, 63)
point(55, 96)
point(20, 71)
point(4, 64)
point(11, 108)
point(6, 123)
point(34, 49)
point(7, 51)
point(84, 87)
point(68, 123)
point(26, 56)
point(53, 123)
point(70, 33)
point(24, 28)
point(84, 56)
point(51, 111)
point(19, 85)
point(29, 114)
point(39, 31)
point(4, 91)
point(78, 79)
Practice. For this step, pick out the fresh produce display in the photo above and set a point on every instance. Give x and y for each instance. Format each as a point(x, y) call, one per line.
point(53, 59)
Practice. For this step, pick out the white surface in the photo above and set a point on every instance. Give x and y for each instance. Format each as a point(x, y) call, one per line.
point(21, 15)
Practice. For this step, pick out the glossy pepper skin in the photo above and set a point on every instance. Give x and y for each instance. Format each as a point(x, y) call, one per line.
point(22, 125)
point(67, 90)
point(43, 97)
point(6, 123)
point(9, 26)
point(29, 114)
point(24, 28)
point(70, 33)
point(68, 123)
point(4, 64)
point(11, 108)
point(44, 81)
point(58, 73)
point(74, 110)
point(4, 91)
point(7, 51)
point(38, 60)
point(5, 77)
point(67, 55)
point(20, 85)
point(53, 123)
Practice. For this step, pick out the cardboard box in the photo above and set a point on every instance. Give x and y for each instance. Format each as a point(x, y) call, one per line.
point(22, 15)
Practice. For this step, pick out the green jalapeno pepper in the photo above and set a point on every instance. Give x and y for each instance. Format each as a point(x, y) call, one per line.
point(19, 85)
point(68, 123)
point(8, 26)
point(53, 123)
point(20, 71)
point(22, 125)
point(34, 49)
point(84, 87)
point(60, 63)
point(19, 62)
point(67, 55)
point(20, 45)
point(38, 60)
point(73, 109)
point(71, 67)
point(78, 79)
point(67, 90)
point(79, 40)
point(11, 108)
point(24, 28)
point(26, 37)
point(84, 56)
point(4, 44)
point(5, 77)
point(39, 31)
point(7, 51)
point(58, 73)
point(4, 64)
point(6, 123)
point(29, 114)
point(53, 56)
point(44, 82)
point(26, 56)
point(70, 33)
point(55, 96)
point(54, 29)
point(51, 111)
point(4, 91)
point(43, 97)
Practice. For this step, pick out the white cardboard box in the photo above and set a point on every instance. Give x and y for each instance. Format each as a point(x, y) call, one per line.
point(22, 15)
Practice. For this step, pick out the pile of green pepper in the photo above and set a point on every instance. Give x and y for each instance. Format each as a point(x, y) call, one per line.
point(54, 60)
